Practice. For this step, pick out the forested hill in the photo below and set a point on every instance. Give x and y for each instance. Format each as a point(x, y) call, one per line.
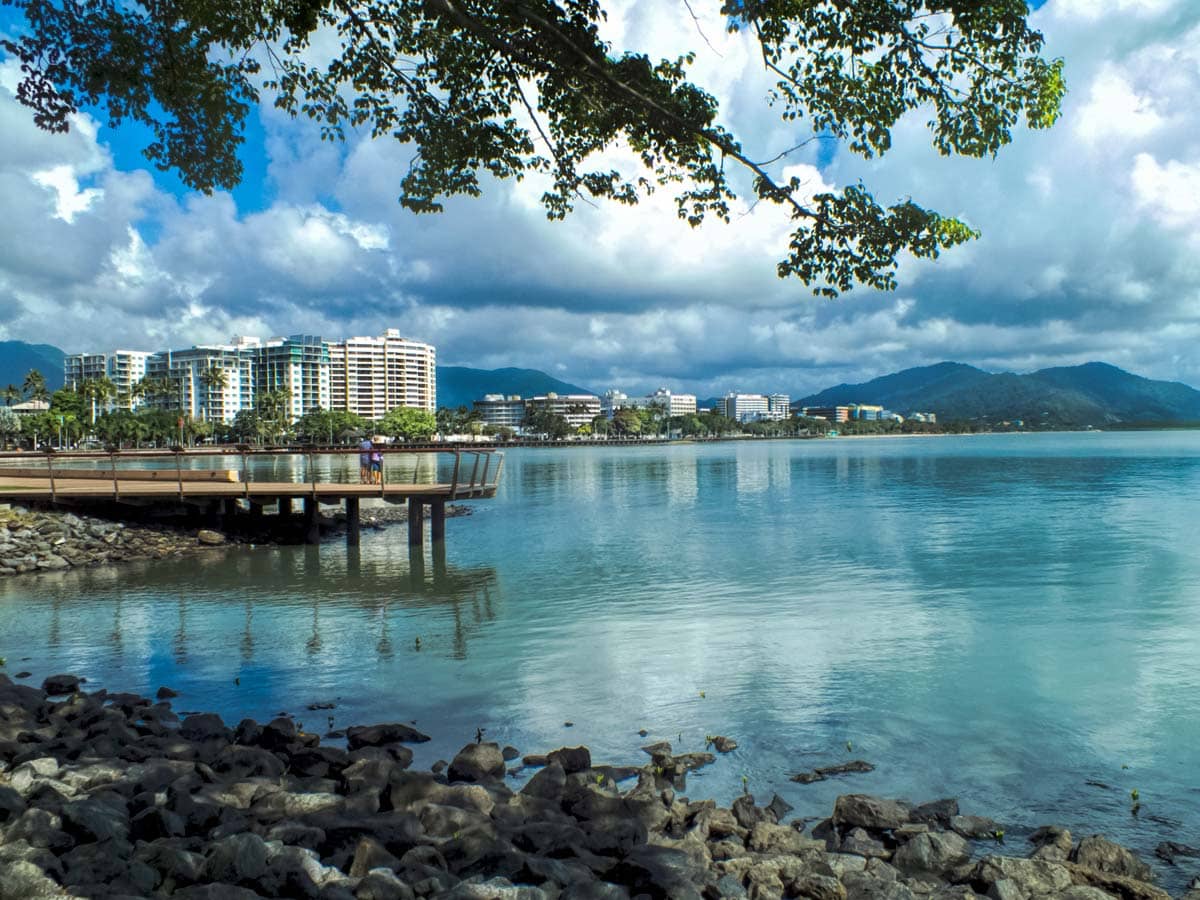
point(18, 357)
point(1091, 394)
point(460, 386)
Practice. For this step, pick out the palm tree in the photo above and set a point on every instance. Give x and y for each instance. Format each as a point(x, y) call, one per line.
point(12, 393)
point(214, 380)
point(35, 385)
point(97, 391)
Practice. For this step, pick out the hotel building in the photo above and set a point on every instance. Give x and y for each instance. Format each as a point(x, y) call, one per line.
point(371, 375)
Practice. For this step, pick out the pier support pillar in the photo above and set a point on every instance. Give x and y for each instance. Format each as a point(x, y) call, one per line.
point(352, 522)
point(256, 510)
point(312, 527)
point(285, 507)
point(416, 522)
point(437, 520)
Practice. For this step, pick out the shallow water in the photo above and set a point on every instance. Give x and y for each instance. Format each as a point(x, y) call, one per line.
point(997, 618)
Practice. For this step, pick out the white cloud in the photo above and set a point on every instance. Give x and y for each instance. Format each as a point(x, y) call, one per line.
point(1115, 111)
point(1171, 192)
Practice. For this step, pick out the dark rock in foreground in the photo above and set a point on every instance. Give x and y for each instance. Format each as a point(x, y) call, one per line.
point(109, 795)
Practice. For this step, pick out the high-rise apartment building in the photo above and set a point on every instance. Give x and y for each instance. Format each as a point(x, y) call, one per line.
point(298, 365)
point(210, 383)
point(371, 375)
point(124, 368)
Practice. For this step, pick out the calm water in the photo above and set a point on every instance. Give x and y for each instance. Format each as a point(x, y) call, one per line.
point(1001, 619)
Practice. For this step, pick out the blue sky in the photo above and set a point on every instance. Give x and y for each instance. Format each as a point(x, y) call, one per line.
point(1088, 248)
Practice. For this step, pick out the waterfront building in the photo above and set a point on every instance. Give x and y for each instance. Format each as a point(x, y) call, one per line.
point(577, 409)
point(779, 407)
point(124, 368)
point(744, 407)
point(371, 375)
point(211, 383)
point(928, 417)
point(612, 401)
point(30, 407)
point(832, 413)
point(501, 411)
point(298, 365)
point(866, 412)
point(675, 404)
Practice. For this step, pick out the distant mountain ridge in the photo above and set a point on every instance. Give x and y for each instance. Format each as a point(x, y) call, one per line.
point(1094, 393)
point(18, 357)
point(461, 386)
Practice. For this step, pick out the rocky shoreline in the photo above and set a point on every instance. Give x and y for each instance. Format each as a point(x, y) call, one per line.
point(106, 795)
point(49, 540)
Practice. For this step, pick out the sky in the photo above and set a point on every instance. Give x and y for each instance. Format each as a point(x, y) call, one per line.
point(1090, 246)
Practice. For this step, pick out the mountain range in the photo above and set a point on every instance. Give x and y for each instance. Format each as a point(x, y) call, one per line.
point(18, 357)
point(1095, 393)
point(460, 386)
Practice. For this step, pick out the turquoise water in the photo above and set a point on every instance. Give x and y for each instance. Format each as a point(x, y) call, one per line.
point(997, 618)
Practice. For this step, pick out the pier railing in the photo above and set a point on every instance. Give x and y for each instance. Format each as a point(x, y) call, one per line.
point(472, 472)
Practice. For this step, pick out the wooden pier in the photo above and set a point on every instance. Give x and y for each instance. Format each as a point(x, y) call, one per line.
point(162, 478)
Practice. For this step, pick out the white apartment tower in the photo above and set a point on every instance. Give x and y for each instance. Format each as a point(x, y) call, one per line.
point(371, 375)
point(124, 368)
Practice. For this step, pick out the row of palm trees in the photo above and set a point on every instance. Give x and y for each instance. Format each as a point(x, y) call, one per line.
point(98, 391)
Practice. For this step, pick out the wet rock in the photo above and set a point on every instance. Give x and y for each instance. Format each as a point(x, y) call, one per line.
point(203, 727)
point(724, 744)
point(510, 753)
point(778, 807)
point(572, 759)
point(822, 772)
point(535, 759)
point(865, 811)
point(974, 827)
point(659, 872)
point(97, 818)
point(165, 693)
point(56, 685)
point(1167, 851)
point(1096, 852)
point(378, 735)
point(210, 538)
point(936, 812)
point(477, 762)
point(23, 880)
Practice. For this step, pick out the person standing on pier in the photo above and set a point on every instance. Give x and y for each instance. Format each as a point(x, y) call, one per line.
point(364, 461)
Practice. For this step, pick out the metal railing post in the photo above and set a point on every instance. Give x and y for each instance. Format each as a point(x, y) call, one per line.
point(454, 477)
point(50, 469)
point(112, 458)
point(179, 472)
point(382, 479)
point(487, 462)
point(245, 476)
point(474, 472)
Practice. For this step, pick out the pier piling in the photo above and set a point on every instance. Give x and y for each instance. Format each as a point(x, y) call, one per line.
point(352, 522)
point(312, 525)
point(416, 522)
point(437, 520)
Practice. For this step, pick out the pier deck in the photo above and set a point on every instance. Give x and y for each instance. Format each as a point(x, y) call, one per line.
point(170, 478)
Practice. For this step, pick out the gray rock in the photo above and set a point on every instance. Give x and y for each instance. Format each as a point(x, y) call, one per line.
point(659, 872)
point(572, 759)
point(1030, 877)
point(1051, 842)
point(97, 818)
point(547, 784)
point(210, 538)
point(204, 726)
point(370, 854)
point(934, 853)
point(23, 880)
point(817, 887)
point(377, 735)
point(975, 827)
point(56, 685)
point(1096, 852)
point(237, 858)
point(383, 884)
point(510, 753)
point(936, 812)
point(869, 812)
point(479, 762)
point(860, 842)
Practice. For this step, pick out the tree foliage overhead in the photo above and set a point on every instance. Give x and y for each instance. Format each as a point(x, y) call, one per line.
point(516, 87)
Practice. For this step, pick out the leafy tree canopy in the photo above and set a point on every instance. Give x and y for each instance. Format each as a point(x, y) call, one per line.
point(408, 423)
point(516, 87)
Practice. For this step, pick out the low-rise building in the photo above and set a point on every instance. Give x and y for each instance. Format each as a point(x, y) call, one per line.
point(577, 409)
point(832, 413)
point(779, 407)
point(928, 417)
point(500, 411)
